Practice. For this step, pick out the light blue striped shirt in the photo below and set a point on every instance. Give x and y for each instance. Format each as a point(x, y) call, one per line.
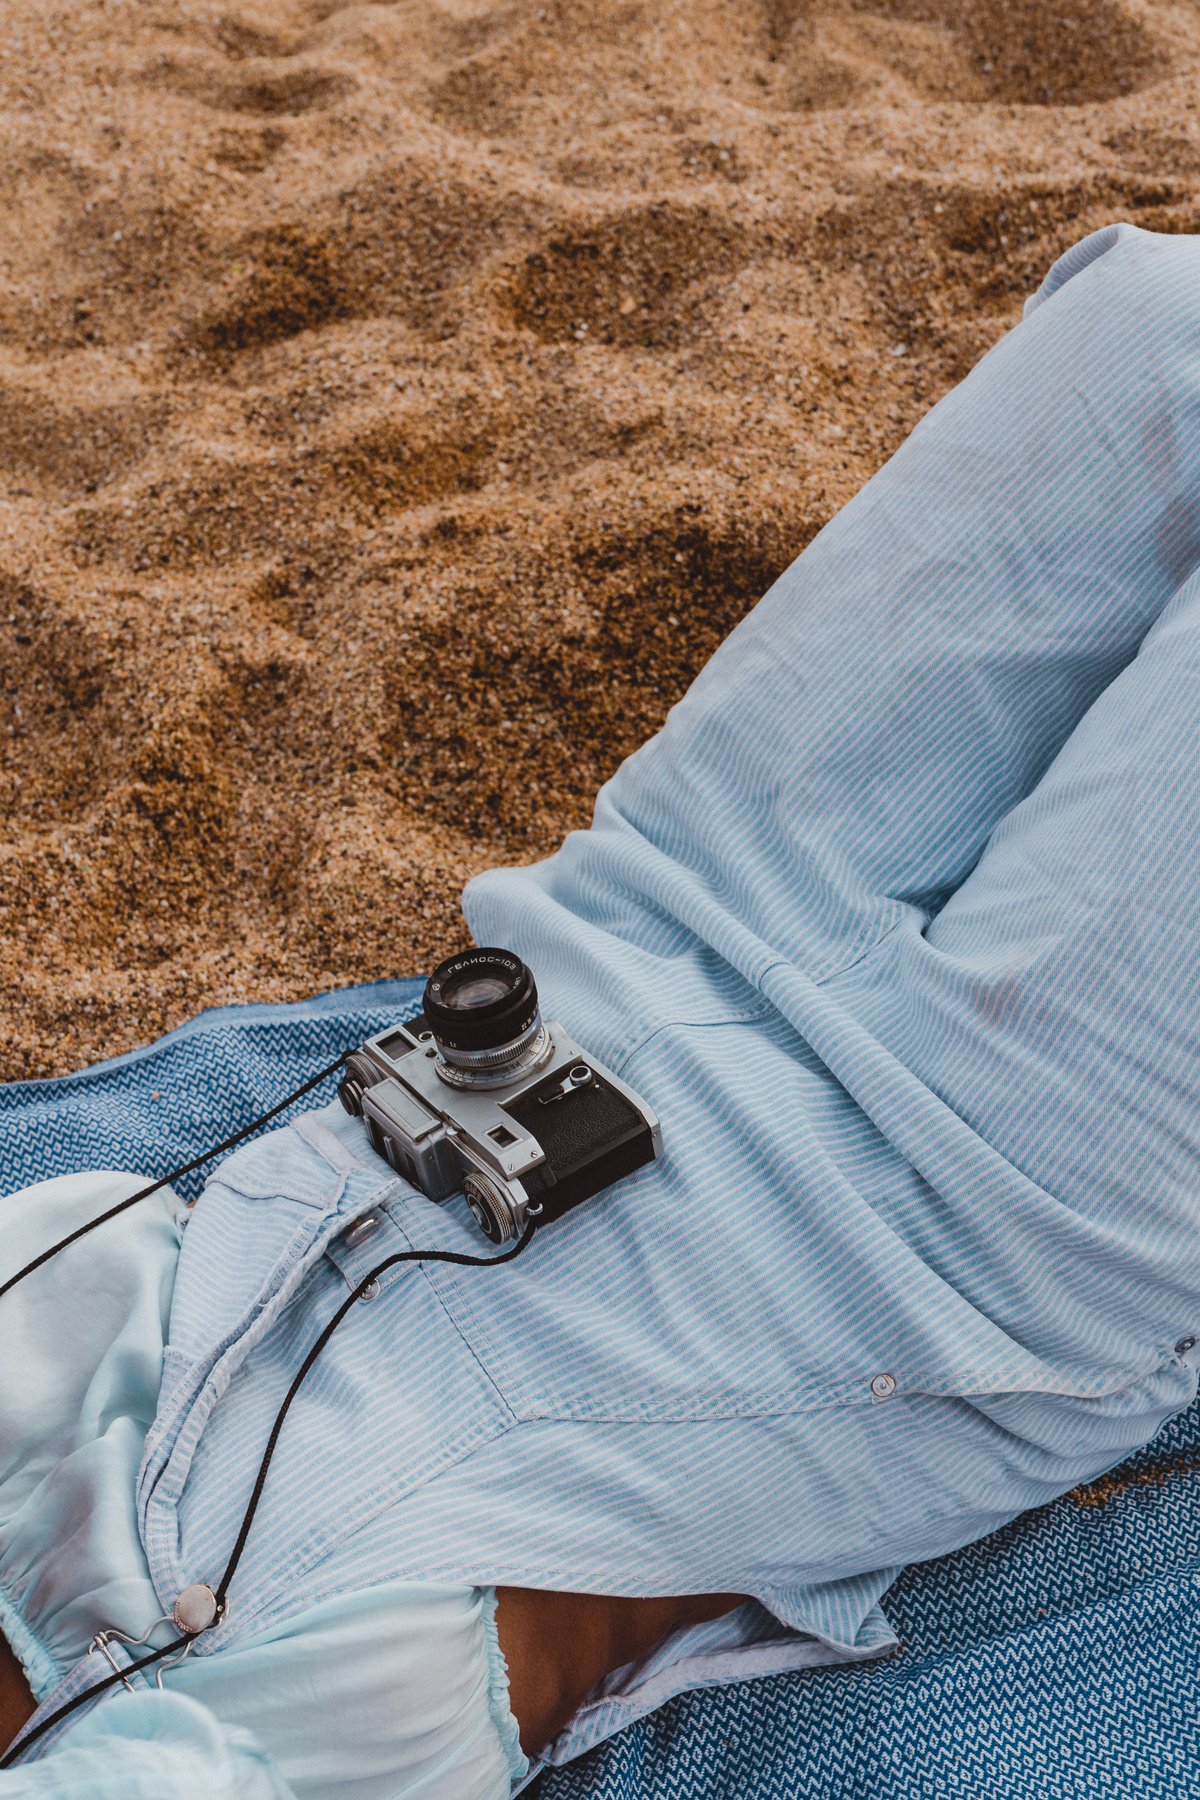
point(895, 924)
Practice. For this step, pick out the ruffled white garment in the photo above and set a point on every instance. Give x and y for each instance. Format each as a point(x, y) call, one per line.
point(399, 1690)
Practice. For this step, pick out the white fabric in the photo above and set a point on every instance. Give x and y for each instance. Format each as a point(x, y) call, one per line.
point(396, 1690)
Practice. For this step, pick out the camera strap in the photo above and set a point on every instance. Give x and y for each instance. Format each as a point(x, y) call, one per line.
point(219, 1593)
point(164, 1180)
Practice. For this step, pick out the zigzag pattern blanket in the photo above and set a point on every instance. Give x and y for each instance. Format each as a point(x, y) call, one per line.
point(1057, 1659)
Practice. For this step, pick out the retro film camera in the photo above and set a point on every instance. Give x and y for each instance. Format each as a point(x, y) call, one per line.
point(478, 1094)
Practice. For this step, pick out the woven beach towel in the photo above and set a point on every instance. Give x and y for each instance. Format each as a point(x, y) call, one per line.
point(1058, 1658)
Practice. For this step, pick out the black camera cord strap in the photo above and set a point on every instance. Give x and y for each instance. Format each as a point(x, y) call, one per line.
point(164, 1180)
point(26, 1740)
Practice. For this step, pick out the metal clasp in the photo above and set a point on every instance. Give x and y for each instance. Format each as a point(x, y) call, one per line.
point(99, 1646)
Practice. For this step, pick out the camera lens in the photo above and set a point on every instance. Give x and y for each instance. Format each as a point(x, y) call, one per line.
point(474, 990)
point(482, 1008)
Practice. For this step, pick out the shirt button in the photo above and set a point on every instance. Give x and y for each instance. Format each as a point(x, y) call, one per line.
point(1186, 1349)
point(370, 1292)
point(361, 1230)
point(883, 1386)
point(195, 1609)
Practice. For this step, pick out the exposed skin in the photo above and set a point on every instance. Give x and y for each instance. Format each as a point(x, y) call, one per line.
point(16, 1701)
point(557, 1647)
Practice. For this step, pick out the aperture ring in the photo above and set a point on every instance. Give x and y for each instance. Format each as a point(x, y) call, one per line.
point(496, 1068)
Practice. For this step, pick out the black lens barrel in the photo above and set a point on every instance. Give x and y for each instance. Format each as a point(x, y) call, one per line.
point(488, 1025)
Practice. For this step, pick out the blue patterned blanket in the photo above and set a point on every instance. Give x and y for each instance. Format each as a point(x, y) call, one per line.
point(1058, 1658)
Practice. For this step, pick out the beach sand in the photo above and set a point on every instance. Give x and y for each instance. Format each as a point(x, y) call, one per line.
point(399, 403)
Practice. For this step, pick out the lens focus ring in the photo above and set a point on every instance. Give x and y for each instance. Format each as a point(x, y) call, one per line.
point(480, 1000)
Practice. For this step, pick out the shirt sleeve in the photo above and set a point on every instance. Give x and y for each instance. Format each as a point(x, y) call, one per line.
point(150, 1746)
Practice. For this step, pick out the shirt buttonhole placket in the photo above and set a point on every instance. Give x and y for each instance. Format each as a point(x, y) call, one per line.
point(358, 1248)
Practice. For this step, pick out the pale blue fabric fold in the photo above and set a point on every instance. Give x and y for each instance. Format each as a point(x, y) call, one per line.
point(151, 1746)
point(395, 1689)
point(895, 924)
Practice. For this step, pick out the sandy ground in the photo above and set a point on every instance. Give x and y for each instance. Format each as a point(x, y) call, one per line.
point(399, 402)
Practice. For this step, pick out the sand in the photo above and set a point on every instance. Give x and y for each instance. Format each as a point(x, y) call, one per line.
point(399, 402)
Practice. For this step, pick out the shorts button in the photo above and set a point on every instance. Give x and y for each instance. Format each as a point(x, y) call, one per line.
point(195, 1609)
point(361, 1230)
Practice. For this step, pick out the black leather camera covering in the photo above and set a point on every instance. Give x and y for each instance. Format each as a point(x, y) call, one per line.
point(591, 1137)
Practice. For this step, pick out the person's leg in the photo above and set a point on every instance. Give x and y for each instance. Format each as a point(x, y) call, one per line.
point(1052, 1006)
point(751, 933)
point(840, 761)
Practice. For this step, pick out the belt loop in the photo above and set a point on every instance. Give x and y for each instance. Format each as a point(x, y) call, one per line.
point(327, 1144)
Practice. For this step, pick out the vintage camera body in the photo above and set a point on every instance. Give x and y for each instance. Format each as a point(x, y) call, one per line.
point(477, 1094)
